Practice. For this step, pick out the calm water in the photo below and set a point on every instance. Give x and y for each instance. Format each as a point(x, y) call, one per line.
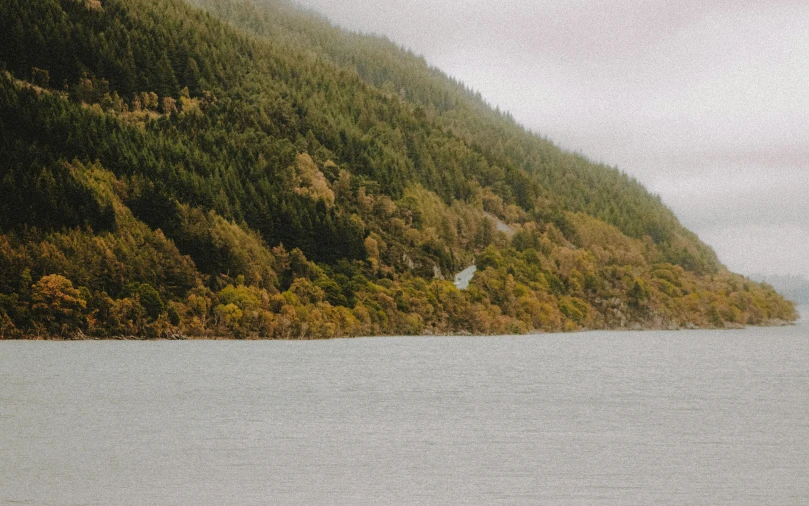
point(699, 417)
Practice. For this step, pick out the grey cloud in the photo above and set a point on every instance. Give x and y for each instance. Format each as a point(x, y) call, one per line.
point(754, 249)
point(735, 199)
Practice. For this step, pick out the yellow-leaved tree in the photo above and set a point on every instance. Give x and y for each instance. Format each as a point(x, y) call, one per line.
point(57, 306)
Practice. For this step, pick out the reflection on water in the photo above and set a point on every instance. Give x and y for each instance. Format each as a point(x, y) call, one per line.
point(698, 417)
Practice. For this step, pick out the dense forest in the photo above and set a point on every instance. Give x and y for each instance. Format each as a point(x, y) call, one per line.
point(245, 169)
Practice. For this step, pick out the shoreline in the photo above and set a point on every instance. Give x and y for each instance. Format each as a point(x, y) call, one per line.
point(630, 329)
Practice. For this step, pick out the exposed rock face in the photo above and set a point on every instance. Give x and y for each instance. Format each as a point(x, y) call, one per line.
point(463, 278)
point(500, 225)
point(437, 274)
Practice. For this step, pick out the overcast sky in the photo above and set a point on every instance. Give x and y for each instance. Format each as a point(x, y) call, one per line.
point(705, 102)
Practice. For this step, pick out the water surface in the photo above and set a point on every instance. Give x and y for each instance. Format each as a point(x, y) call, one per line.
point(689, 417)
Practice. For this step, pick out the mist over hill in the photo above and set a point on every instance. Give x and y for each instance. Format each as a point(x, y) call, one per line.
point(247, 169)
point(794, 288)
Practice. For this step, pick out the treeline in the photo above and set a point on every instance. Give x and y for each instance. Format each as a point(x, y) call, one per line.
point(253, 171)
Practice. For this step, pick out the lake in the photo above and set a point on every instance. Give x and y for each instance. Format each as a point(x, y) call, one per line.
point(683, 417)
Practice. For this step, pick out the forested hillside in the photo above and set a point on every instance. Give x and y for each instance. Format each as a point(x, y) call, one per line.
point(245, 169)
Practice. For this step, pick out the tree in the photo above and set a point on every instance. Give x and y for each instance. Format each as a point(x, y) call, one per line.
point(151, 301)
point(57, 306)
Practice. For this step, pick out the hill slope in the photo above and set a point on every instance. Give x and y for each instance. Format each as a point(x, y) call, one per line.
point(794, 288)
point(251, 170)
